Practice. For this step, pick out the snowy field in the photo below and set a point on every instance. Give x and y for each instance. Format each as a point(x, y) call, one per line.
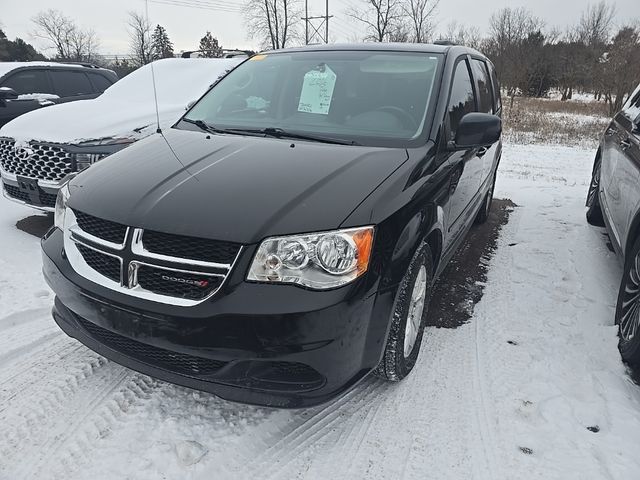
point(532, 387)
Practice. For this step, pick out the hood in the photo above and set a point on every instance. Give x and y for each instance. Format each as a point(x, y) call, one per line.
point(239, 189)
point(87, 120)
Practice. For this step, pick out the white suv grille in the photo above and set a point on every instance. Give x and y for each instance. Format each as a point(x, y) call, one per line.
point(47, 162)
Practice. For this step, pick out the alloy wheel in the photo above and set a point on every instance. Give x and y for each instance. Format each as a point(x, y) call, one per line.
point(416, 307)
point(630, 318)
point(594, 186)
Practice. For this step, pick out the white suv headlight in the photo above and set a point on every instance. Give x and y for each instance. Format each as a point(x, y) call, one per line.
point(61, 206)
point(317, 260)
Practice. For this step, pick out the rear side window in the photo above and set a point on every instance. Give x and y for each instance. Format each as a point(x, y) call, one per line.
point(462, 99)
point(29, 81)
point(496, 89)
point(99, 82)
point(69, 84)
point(632, 112)
point(483, 84)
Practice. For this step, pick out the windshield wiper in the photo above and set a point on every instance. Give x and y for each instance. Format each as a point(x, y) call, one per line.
point(269, 131)
point(281, 133)
point(202, 125)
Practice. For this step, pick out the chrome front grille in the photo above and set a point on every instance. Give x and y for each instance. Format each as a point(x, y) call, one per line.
point(39, 160)
point(114, 256)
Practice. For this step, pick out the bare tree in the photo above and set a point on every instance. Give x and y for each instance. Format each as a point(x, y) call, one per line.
point(595, 24)
point(273, 21)
point(84, 45)
point(421, 15)
point(461, 34)
point(140, 39)
point(509, 30)
point(620, 68)
point(63, 34)
point(381, 18)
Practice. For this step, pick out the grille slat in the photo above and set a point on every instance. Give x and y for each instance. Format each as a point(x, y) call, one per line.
point(169, 274)
point(190, 286)
point(46, 199)
point(103, 229)
point(104, 264)
point(191, 248)
point(173, 361)
point(48, 162)
point(15, 192)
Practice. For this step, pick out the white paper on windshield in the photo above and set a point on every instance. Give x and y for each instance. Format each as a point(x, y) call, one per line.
point(317, 91)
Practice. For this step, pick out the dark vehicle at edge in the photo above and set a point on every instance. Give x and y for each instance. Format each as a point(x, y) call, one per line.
point(280, 242)
point(22, 82)
point(613, 201)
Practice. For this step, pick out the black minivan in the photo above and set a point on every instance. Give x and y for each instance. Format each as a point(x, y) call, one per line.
point(281, 241)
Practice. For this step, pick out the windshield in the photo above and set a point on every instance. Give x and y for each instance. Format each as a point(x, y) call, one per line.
point(368, 97)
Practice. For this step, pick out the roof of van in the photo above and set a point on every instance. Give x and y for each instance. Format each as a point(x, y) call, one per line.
point(382, 46)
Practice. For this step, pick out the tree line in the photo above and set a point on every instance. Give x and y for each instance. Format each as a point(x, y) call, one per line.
point(594, 55)
point(71, 43)
point(591, 56)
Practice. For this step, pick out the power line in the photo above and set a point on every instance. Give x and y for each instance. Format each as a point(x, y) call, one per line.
point(213, 3)
point(200, 5)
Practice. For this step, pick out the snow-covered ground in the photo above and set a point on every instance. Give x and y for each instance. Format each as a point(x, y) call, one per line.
point(531, 388)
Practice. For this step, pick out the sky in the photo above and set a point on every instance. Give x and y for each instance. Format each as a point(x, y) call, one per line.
point(224, 18)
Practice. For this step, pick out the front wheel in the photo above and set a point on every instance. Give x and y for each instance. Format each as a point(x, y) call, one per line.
point(628, 308)
point(594, 212)
point(408, 320)
point(483, 214)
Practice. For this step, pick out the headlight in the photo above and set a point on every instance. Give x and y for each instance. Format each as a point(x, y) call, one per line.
point(85, 160)
point(61, 206)
point(318, 260)
point(111, 146)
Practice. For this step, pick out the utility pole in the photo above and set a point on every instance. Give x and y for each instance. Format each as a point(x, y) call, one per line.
point(313, 26)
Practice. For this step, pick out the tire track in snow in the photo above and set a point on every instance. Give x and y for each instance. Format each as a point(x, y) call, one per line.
point(41, 399)
point(89, 422)
point(306, 430)
point(22, 317)
point(33, 369)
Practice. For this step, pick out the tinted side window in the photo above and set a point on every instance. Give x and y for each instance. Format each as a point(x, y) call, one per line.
point(28, 81)
point(633, 111)
point(483, 83)
point(462, 99)
point(68, 84)
point(496, 90)
point(99, 82)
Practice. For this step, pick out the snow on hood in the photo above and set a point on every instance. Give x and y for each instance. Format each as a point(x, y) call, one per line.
point(126, 109)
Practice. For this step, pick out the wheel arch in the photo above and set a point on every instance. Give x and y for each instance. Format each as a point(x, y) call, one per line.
point(634, 232)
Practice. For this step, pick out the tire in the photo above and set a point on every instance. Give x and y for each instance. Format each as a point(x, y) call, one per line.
point(400, 356)
point(483, 214)
point(628, 308)
point(594, 211)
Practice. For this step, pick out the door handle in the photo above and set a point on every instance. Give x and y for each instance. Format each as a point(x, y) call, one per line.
point(610, 132)
point(482, 151)
point(625, 144)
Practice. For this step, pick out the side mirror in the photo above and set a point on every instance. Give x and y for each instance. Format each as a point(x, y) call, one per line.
point(7, 93)
point(477, 130)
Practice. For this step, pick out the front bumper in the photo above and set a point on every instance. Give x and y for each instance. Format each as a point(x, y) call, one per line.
point(273, 345)
point(41, 195)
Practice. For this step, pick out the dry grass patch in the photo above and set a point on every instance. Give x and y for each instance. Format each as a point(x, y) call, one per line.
point(539, 120)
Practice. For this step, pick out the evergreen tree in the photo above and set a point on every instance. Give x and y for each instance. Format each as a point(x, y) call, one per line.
point(209, 47)
point(17, 50)
point(161, 45)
